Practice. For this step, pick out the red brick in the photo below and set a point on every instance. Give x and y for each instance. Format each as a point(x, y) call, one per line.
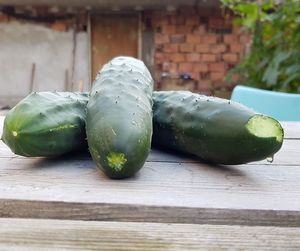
point(229, 39)
point(217, 67)
point(218, 48)
point(178, 39)
point(169, 29)
point(195, 75)
point(170, 48)
point(235, 78)
point(177, 19)
point(187, 10)
point(200, 67)
point(200, 30)
point(236, 29)
point(204, 85)
point(193, 38)
point(230, 57)
point(170, 67)
point(192, 20)
point(183, 29)
point(221, 89)
point(208, 57)
point(236, 47)
point(245, 39)
point(218, 22)
point(159, 21)
point(159, 58)
point(161, 38)
point(193, 57)
point(209, 39)
point(3, 18)
point(216, 76)
point(177, 57)
point(202, 48)
point(59, 26)
point(185, 67)
point(186, 47)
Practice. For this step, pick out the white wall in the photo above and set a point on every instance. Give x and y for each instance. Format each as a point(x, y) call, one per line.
point(21, 45)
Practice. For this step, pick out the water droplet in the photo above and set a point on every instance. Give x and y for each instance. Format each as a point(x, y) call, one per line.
point(270, 159)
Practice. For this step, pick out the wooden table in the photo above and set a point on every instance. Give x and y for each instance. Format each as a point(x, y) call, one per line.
point(174, 203)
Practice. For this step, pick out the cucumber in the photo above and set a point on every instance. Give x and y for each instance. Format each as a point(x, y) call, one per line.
point(119, 117)
point(217, 130)
point(46, 124)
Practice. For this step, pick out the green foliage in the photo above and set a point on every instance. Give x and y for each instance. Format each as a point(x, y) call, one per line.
point(274, 59)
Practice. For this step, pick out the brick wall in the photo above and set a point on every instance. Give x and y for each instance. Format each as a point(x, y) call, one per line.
point(59, 20)
point(201, 43)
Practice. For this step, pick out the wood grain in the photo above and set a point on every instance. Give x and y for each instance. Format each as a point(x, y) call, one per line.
point(291, 130)
point(30, 234)
point(170, 188)
point(164, 192)
point(113, 35)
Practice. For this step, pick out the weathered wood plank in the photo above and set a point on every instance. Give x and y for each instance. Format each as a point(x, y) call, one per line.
point(291, 130)
point(145, 213)
point(30, 234)
point(164, 192)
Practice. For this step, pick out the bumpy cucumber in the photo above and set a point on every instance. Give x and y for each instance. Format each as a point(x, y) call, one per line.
point(217, 130)
point(119, 117)
point(46, 124)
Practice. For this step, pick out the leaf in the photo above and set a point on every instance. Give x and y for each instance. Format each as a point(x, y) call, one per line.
point(291, 78)
point(271, 74)
point(238, 21)
point(292, 69)
point(280, 57)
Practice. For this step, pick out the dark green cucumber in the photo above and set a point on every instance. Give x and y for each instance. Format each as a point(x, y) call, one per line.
point(46, 124)
point(217, 130)
point(119, 117)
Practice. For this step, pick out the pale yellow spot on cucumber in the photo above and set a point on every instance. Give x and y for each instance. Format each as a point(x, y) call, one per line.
point(116, 161)
point(62, 127)
point(14, 133)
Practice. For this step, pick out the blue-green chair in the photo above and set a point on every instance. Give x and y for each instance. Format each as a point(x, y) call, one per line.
point(279, 105)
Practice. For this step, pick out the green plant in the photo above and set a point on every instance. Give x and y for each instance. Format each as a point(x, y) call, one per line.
point(273, 62)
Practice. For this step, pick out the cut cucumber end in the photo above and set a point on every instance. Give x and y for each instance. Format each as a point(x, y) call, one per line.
point(265, 127)
point(116, 161)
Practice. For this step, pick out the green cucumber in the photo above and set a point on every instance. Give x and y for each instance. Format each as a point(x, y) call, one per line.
point(119, 117)
point(46, 124)
point(217, 130)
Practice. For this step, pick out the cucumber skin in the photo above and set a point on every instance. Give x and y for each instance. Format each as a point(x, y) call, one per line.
point(119, 116)
point(48, 124)
point(210, 128)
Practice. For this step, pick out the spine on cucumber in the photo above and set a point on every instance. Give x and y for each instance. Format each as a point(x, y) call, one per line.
point(46, 124)
point(119, 117)
point(217, 130)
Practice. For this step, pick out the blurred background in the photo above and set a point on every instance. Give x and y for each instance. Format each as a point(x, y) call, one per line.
point(61, 44)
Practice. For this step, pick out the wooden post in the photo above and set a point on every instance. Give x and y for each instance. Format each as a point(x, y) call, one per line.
point(32, 77)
